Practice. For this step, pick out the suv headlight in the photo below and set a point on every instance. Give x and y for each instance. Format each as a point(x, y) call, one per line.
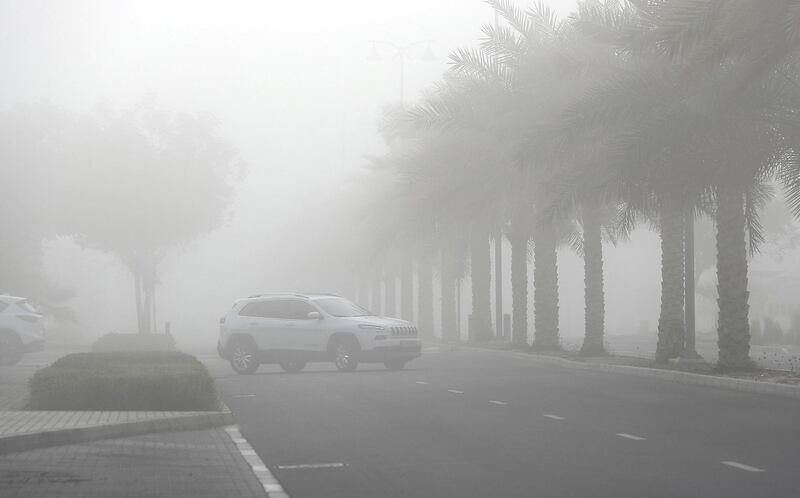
point(374, 328)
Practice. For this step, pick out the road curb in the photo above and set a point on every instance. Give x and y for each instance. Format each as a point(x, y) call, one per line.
point(741, 385)
point(45, 439)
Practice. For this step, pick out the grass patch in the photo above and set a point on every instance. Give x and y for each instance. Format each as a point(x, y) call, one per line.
point(133, 342)
point(147, 381)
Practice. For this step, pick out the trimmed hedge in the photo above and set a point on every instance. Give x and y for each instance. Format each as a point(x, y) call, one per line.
point(146, 381)
point(133, 342)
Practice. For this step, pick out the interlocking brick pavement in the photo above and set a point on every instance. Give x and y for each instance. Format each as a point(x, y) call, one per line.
point(168, 464)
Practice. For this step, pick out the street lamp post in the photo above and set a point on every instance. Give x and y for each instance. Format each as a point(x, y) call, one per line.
point(401, 52)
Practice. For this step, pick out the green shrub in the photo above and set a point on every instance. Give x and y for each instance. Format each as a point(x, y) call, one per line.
point(133, 342)
point(147, 381)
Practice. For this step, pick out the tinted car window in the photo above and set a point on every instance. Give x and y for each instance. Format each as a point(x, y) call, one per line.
point(297, 310)
point(264, 309)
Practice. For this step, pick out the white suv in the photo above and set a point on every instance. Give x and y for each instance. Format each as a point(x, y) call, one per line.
point(294, 329)
point(21, 329)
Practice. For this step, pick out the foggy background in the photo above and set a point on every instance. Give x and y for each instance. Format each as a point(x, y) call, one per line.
point(294, 91)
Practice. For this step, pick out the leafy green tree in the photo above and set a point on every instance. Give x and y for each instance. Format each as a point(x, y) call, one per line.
point(142, 182)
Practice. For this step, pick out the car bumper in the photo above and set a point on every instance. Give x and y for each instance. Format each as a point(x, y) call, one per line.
point(393, 351)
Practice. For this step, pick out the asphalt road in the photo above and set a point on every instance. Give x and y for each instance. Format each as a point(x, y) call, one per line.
point(497, 424)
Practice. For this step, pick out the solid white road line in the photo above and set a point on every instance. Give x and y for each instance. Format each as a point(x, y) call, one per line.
point(742, 466)
point(455, 391)
point(498, 402)
point(631, 437)
point(244, 395)
point(422, 383)
point(337, 465)
point(554, 417)
point(271, 485)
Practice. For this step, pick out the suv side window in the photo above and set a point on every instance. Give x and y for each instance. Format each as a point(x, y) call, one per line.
point(296, 309)
point(263, 309)
point(251, 309)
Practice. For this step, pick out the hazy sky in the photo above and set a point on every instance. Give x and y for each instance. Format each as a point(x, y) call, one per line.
point(289, 81)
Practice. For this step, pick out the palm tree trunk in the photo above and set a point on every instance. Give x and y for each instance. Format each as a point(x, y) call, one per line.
point(390, 306)
point(407, 289)
point(671, 326)
point(733, 323)
point(448, 280)
point(480, 258)
point(425, 297)
point(498, 285)
point(545, 288)
point(363, 291)
point(594, 297)
point(375, 302)
point(518, 238)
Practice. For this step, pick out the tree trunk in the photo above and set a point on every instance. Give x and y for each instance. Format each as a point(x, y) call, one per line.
point(498, 285)
point(733, 323)
point(363, 291)
point(390, 305)
point(137, 283)
point(518, 238)
point(147, 311)
point(449, 318)
point(425, 297)
point(480, 258)
point(545, 288)
point(671, 326)
point(594, 298)
point(407, 289)
point(375, 302)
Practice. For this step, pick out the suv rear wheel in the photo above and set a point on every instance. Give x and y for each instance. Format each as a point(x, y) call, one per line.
point(10, 348)
point(345, 355)
point(243, 356)
point(292, 366)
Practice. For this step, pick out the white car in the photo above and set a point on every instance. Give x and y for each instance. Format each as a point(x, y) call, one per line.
point(294, 329)
point(22, 329)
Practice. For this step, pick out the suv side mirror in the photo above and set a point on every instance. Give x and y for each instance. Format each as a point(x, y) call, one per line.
point(314, 315)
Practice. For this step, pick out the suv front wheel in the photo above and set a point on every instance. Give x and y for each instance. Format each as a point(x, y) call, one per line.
point(243, 356)
point(345, 353)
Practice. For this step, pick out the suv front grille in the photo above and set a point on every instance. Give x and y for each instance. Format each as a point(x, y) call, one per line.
point(404, 331)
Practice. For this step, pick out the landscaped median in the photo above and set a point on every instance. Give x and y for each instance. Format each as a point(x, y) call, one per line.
point(88, 396)
point(121, 381)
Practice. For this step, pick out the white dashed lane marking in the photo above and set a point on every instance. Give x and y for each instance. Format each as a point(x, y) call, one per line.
point(244, 396)
point(741, 466)
point(631, 437)
point(498, 402)
point(422, 383)
point(454, 391)
point(337, 465)
point(553, 417)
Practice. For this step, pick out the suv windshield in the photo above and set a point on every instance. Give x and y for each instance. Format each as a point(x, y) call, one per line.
point(340, 307)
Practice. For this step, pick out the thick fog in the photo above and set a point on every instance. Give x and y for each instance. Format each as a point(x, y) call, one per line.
point(296, 92)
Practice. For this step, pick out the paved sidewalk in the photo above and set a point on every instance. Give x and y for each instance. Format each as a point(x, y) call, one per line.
point(15, 423)
point(168, 464)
